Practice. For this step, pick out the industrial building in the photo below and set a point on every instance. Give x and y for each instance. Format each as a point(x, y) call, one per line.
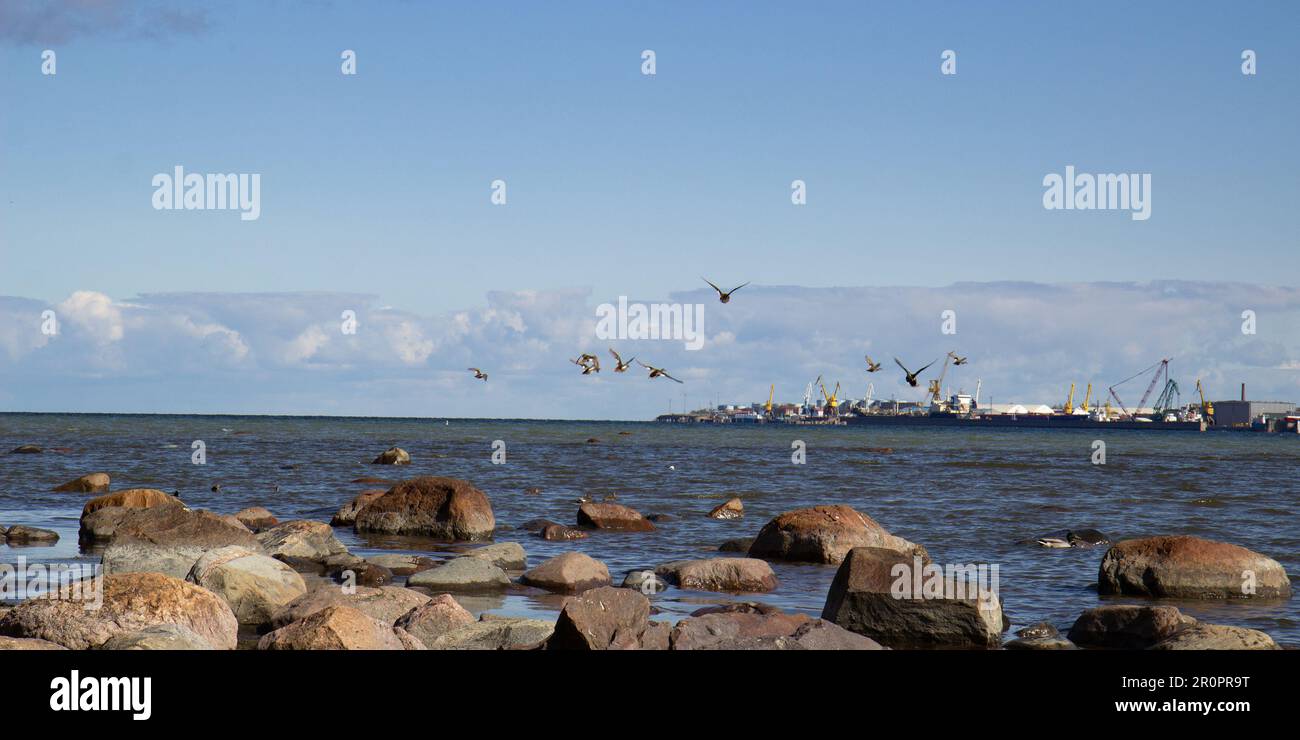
point(1243, 413)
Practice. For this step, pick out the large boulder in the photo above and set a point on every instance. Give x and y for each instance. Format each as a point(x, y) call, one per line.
point(20, 534)
point(732, 508)
point(613, 516)
point(256, 517)
point(385, 603)
point(131, 498)
point(158, 637)
point(504, 555)
point(1187, 567)
point(561, 532)
point(874, 593)
point(570, 572)
point(392, 456)
point(131, 602)
point(447, 508)
point(824, 534)
point(607, 618)
point(89, 483)
point(254, 585)
point(496, 633)
point(1127, 626)
point(434, 618)
point(346, 516)
point(166, 526)
point(302, 538)
point(1217, 637)
point(338, 627)
point(145, 557)
point(462, 575)
point(749, 626)
point(720, 574)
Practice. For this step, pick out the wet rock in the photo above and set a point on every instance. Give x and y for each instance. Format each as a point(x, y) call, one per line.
point(497, 633)
point(435, 618)
point(613, 516)
point(28, 643)
point(505, 555)
point(824, 534)
point(759, 627)
point(561, 532)
point(571, 572)
point(386, 603)
point(657, 518)
point(1190, 568)
point(146, 557)
point(1217, 637)
point(403, 565)
point(646, 581)
point(602, 619)
point(346, 516)
point(131, 498)
point(1127, 626)
point(535, 525)
point(302, 538)
point(392, 456)
point(254, 585)
point(737, 545)
point(131, 602)
point(91, 483)
point(362, 574)
point(1038, 631)
point(26, 450)
point(874, 594)
point(338, 627)
point(158, 637)
point(302, 565)
point(256, 518)
point(19, 534)
point(447, 508)
point(732, 508)
point(720, 574)
point(462, 575)
point(1040, 643)
point(174, 527)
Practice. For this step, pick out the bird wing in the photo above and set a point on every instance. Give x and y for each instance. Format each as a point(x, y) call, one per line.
point(918, 372)
point(909, 372)
point(666, 375)
point(738, 287)
point(617, 359)
point(474, 370)
point(642, 364)
point(714, 286)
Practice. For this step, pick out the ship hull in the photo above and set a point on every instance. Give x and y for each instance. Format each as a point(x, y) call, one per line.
point(1021, 422)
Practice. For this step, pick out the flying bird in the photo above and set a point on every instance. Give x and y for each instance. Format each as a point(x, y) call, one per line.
point(587, 367)
point(911, 376)
point(478, 374)
point(724, 297)
point(872, 366)
point(656, 372)
point(957, 360)
point(619, 365)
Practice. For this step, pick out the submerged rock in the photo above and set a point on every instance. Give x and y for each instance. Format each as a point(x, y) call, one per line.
point(26, 450)
point(561, 532)
point(737, 545)
point(1127, 626)
point(865, 597)
point(824, 534)
point(392, 456)
point(732, 508)
point(20, 534)
point(613, 516)
point(131, 602)
point(1190, 568)
point(90, 483)
point(720, 574)
point(568, 573)
point(447, 508)
point(338, 627)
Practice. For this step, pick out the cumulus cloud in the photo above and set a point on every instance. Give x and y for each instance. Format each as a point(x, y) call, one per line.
point(29, 22)
point(288, 353)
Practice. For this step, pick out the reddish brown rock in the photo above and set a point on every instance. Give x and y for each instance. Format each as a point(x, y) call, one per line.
point(1127, 626)
point(131, 602)
point(91, 483)
point(824, 534)
point(386, 603)
point(347, 514)
point(166, 526)
point(561, 532)
point(447, 508)
point(435, 618)
point(720, 574)
point(732, 508)
point(302, 538)
point(606, 619)
point(749, 626)
point(571, 572)
point(338, 627)
point(256, 517)
point(1190, 568)
point(613, 516)
point(131, 498)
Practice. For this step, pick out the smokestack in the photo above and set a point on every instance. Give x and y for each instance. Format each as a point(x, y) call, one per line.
point(1243, 391)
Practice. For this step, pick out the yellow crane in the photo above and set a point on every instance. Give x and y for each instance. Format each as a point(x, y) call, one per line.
point(767, 407)
point(1207, 409)
point(831, 401)
point(1087, 397)
point(1068, 408)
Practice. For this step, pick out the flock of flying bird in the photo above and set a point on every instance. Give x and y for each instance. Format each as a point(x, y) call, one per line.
point(591, 363)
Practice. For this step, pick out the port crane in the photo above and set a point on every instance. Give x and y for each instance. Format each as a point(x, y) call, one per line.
point(831, 400)
point(1168, 400)
point(1087, 396)
point(1068, 408)
point(1207, 409)
point(1159, 367)
point(767, 407)
point(936, 386)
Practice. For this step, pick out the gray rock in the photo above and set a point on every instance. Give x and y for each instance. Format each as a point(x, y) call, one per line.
point(158, 637)
point(19, 534)
point(254, 585)
point(1217, 637)
point(1128, 626)
point(144, 557)
point(303, 539)
point(403, 565)
point(504, 555)
point(435, 618)
point(499, 633)
point(645, 581)
point(462, 574)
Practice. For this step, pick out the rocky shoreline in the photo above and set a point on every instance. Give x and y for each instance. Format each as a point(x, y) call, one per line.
point(182, 578)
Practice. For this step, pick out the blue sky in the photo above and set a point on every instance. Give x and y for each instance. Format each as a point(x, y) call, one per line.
point(377, 185)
